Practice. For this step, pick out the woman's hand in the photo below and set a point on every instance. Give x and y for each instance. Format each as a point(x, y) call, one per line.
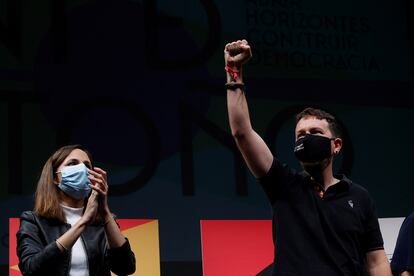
point(99, 185)
point(91, 208)
point(98, 178)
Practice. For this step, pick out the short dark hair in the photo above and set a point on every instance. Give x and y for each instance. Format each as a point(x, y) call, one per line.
point(320, 114)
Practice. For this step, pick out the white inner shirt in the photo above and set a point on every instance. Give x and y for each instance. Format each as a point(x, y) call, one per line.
point(79, 259)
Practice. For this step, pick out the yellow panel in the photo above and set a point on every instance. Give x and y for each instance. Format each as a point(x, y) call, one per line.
point(144, 240)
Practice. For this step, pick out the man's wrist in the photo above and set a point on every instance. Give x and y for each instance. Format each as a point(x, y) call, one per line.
point(234, 86)
point(231, 79)
point(234, 73)
point(239, 79)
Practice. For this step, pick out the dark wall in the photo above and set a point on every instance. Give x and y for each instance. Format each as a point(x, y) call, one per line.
point(140, 83)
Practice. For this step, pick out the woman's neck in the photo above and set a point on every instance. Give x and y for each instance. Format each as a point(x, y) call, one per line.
point(70, 202)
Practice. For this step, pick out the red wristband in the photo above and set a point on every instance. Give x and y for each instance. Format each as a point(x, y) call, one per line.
point(232, 71)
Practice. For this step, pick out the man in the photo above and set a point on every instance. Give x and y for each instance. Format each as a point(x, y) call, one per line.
point(402, 262)
point(322, 224)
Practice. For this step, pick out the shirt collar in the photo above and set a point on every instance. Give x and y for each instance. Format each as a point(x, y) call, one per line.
point(342, 186)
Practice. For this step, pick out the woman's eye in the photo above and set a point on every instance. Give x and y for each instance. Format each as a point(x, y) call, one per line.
point(72, 163)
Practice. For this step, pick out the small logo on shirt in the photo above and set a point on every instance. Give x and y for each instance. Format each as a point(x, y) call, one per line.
point(351, 203)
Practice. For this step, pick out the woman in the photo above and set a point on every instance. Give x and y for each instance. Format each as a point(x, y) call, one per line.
point(71, 230)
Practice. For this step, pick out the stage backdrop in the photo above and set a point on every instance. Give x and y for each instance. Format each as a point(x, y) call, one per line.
point(140, 83)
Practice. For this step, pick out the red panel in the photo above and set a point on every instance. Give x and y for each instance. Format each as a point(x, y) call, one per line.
point(14, 224)
point(236, 247)
point(125, 224)
point(13, 272)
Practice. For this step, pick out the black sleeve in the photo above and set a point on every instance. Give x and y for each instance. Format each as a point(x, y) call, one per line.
point(122, 259)
point(403, 257)
point(35, 258)
point(372, 238)
point(276, 182)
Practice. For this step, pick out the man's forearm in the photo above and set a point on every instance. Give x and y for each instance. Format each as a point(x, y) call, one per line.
point(235, 55)
point(377, 263)
point(381, 269)
point(238, 110)
point(255, 152)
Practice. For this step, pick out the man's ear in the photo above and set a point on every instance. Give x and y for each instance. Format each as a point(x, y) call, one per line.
point(337, 145)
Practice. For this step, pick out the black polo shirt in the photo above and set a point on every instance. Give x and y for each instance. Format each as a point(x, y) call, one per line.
point(403, 257)
point(316, 235)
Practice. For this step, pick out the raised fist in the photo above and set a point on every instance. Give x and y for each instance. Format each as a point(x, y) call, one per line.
point(237, 53)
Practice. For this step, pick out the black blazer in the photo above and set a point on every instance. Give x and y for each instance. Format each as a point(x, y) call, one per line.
point(39, 255)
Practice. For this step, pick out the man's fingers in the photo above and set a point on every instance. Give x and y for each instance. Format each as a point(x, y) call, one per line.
point(235, 50)
point(245, 46)
point(237, 47)
point(236, 53)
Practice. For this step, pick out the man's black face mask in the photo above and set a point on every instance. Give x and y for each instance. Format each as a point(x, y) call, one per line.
point(313, 148)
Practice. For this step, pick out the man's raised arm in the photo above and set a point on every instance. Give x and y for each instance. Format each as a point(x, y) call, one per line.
point(254, 150)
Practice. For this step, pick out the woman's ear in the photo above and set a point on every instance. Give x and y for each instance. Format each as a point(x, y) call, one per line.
point(56, 178)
